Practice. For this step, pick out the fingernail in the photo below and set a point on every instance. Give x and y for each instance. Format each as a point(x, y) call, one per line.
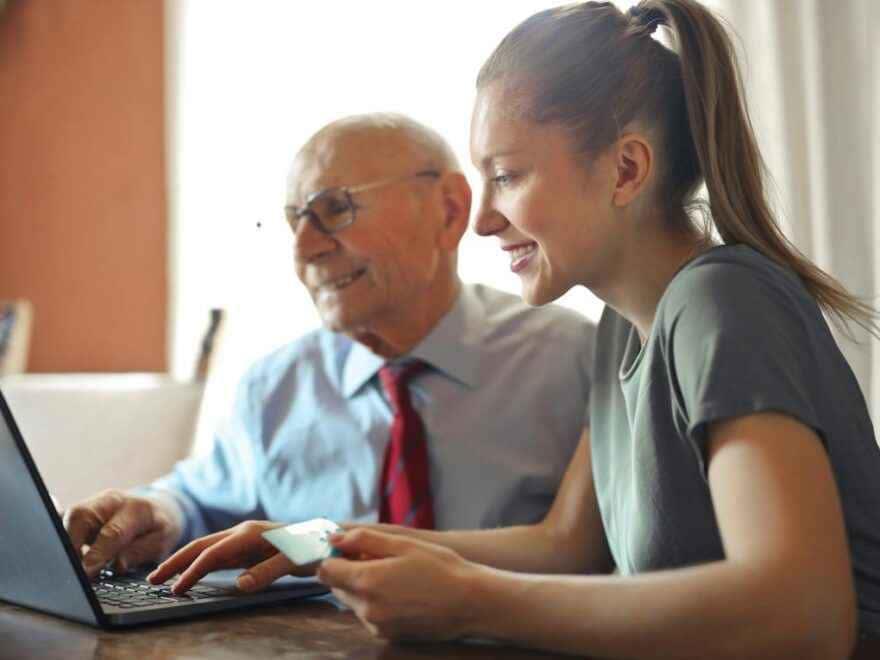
point(245, 582)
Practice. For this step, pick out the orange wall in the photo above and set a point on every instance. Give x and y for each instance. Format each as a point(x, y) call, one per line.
point(82, 180)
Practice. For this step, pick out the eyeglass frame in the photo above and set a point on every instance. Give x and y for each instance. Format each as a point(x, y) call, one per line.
point(299, 212)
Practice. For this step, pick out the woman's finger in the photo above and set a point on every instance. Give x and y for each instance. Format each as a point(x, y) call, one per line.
point(357, 605)
point(184, 557)
point(353, 576)
point(372, 543)
point(266, 572)
point(237, 550)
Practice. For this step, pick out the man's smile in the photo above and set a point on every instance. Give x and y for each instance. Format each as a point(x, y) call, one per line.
point(339, 283)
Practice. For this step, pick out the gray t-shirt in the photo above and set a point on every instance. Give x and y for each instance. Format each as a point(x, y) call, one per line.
point(734, 334)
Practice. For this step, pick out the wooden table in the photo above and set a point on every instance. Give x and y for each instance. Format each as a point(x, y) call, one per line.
point(313, 629)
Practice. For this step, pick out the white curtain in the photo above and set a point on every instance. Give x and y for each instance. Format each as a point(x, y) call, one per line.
point(811, 72)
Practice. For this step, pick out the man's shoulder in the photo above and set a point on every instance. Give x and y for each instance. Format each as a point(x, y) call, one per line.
point(507, 313)
point(314, 350)
point(552, 345)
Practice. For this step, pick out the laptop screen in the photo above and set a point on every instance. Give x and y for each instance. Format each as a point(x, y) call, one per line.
point(37, 563)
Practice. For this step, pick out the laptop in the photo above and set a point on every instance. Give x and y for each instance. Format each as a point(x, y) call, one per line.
point(40, 569)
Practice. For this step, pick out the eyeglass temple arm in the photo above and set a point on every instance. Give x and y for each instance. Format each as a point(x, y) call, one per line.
point(361, 188)
point(384, 182)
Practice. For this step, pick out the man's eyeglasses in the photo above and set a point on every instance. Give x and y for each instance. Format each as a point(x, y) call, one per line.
point(333, 209)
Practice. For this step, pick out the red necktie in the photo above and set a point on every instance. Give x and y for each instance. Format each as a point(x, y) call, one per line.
point(405, 488)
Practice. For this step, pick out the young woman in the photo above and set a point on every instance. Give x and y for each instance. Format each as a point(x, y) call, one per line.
point(730, 472)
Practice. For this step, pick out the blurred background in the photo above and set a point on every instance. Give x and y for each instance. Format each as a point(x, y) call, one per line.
point(142, 142)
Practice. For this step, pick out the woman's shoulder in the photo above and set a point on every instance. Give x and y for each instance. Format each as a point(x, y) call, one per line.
point(731, 280)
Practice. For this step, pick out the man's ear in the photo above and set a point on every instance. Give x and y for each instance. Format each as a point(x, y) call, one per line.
point(634, 160)
point(456, 198)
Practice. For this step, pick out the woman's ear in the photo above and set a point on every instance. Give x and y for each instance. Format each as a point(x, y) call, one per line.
point(456, 197)
point(635, 162)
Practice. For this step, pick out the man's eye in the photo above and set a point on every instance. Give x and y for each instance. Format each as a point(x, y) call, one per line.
point(335, 209)
point(332, 207)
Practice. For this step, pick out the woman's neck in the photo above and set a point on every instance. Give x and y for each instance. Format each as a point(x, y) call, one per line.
point(648, 266)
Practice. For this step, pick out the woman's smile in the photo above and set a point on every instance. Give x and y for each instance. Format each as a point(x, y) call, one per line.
point(520, 255)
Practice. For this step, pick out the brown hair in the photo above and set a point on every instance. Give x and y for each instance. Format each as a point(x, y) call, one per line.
point(593, 70)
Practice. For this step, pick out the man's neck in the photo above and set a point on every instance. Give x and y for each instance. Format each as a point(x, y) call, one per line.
point(397, 335)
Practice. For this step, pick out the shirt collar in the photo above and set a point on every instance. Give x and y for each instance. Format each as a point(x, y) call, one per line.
point(452, 347)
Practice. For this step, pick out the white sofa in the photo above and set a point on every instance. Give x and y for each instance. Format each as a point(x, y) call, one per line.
point(88, 432)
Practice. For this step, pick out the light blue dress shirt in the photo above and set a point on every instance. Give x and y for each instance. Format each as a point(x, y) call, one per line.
point(503, 404)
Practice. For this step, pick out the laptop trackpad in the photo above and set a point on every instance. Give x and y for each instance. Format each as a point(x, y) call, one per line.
point(225, 579)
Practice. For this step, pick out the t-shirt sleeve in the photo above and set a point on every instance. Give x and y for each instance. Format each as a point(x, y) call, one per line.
point(737, 343)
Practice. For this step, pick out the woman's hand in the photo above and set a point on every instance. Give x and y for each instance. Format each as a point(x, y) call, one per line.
point(242, 546)
point(405, 588)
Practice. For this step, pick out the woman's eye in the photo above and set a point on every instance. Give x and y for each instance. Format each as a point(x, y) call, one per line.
point(502, 179)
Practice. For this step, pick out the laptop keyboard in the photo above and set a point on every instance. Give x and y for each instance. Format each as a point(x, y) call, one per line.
point(128, 591)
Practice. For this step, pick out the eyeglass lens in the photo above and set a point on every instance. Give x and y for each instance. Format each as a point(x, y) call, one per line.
point(332, 207)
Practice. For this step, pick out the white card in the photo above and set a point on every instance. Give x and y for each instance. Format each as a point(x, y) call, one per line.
point(305, 542)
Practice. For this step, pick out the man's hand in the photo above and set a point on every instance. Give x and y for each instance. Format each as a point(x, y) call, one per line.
point(242, 546)
point(126, 529)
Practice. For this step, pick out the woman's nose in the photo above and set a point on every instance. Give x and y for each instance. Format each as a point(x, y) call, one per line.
point(489, 221)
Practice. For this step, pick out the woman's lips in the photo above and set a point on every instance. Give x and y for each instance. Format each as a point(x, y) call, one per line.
point(520, 255)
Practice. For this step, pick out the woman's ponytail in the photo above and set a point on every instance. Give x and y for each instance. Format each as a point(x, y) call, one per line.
point(593, 70)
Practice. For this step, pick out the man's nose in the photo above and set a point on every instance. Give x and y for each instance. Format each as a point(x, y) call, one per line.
point(488, 220)
point(309, 242)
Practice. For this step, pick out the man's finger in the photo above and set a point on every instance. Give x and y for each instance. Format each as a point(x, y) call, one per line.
point(82, 526)
point(145, 548)
point(180, 560)
point(84, 521)
point(370, 542)
point(266, 572)
point(116, 534)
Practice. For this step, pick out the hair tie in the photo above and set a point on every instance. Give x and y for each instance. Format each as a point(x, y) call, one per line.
point(647, 18)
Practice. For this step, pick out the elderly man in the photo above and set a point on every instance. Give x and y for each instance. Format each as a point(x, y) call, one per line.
point(423, 401)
